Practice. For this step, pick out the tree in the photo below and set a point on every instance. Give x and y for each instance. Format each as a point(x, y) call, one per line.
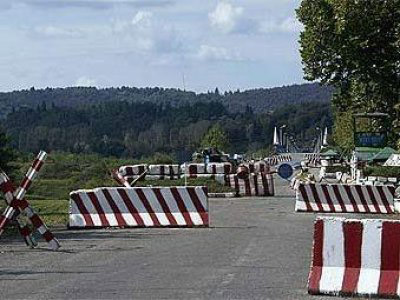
point(343, 131)
point(6, 153)
point(216, 138)
point(354, 46)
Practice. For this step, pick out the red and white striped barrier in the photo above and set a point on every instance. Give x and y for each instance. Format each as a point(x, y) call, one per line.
point(163, 171)
point(258, 166)
point(17, 204)
point(313, 158)
point(192, 169)
point(259, 184)
point(355, 257)
point(275, 160)
point(219, 168)
point(139, 207)
point(7, 189)
point(196, 170)
point(132, 170)
point(129, 179)
point(345, 198)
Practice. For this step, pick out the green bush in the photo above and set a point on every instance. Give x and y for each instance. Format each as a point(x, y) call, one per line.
point(382, 171)
point(160, 159)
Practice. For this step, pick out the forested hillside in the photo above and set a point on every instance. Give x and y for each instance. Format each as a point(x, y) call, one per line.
point(136, 130)
point(259, 100)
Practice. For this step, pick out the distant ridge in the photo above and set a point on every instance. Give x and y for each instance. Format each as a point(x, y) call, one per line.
point(259, 100)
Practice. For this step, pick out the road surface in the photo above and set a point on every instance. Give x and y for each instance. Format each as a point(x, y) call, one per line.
point(256, 248)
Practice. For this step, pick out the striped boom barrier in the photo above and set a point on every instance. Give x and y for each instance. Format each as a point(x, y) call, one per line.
point(259, 184)
point(139, 207)
point(356, 257)
point(7, 189)
point(19, 204)
point(345, 198)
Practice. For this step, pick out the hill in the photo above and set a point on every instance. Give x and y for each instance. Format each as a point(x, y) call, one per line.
point(259, 100)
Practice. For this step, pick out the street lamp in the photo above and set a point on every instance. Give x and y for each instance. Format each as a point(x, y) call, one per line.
point(281, 133)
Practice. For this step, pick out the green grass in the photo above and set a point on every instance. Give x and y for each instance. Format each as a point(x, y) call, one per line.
point(52, 212)
point(64, 173)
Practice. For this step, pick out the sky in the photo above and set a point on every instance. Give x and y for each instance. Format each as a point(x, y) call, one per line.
point(195, 45)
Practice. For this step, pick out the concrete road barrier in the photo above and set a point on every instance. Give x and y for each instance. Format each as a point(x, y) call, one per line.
point(132, 170)
point(345, 198)
point(355, 257)
point(259, 184)
point(139, 207)
point(171, 171)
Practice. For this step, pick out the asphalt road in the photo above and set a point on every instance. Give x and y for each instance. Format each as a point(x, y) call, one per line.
point(256, 248)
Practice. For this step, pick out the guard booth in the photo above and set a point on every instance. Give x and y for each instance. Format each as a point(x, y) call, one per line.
point(370, 138)
point(370, 130)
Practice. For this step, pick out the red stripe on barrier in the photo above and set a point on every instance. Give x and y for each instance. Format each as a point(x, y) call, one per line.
point(352, 235)
point(36, 221)
point(247, 186)
point(390, 259)
point(302, 190)
point(317, 260)
point(362, 198)
point(227, 169)
point(147, 206)
point(316, 197)
point(99, 209)
point(120, 220)
point(82, 209)
point(255, 180)
point(384, 198)
point(372, 198)
point(132, 209)
point(26, 183)
point(339, 198)
point(192, 170)
point(197, 203)
point(236, 181)
point(48, 236)
point(165, 207)
point(25, 231)
point(351, 198)
point(328, 198)
point(181, 206)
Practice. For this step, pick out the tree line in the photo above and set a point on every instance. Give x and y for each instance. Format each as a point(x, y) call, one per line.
point(141, 129)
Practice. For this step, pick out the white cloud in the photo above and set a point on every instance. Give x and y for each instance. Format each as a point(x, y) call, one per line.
point(148, 34)
point(85, 81)
point(207, 52)
point(288, 25)
point(88, 4)
point(58, 32)
point(225, 17)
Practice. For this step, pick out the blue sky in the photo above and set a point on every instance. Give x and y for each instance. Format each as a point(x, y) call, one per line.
point(196, 44)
